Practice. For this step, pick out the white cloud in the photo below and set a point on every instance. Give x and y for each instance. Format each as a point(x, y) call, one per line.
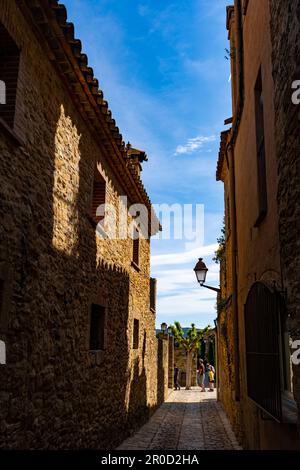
point(184, 257)
point(187, 308)
point(172, 281)
point(194, 144)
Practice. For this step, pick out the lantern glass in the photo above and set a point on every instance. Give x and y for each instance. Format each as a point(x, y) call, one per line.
point(201, 271)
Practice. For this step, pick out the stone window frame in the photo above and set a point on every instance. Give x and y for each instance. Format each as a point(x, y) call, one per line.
point(97, 356)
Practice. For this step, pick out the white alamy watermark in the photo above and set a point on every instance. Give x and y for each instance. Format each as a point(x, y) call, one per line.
point(296, 93)
point(179, 221)
point(296, 354)
point(2, 92)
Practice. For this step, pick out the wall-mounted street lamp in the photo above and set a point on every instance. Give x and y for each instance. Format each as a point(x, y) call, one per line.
point(201, 271)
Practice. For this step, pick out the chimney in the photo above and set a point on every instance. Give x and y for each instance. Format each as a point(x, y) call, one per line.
point(137, 157)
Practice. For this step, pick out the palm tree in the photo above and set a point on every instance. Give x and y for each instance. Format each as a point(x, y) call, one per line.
point(189, 343)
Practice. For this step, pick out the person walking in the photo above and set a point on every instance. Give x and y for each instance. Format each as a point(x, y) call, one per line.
point(211, 376)
point(176, 373)
point(201, 375)
point(206, 377)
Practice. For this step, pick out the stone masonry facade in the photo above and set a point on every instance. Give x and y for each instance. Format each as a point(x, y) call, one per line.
point(259, 279)
point(285, 36)
point(55, 392)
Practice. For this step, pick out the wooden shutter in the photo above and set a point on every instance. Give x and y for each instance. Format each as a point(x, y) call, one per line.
point(9, 70)
point(136, 249)
point(99, 193)
point(152, 293)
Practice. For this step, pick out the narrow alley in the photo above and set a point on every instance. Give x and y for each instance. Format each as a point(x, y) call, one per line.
point(149, 235)
point(188, 420)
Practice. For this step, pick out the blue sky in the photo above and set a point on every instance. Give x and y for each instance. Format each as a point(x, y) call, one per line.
point(162, 68)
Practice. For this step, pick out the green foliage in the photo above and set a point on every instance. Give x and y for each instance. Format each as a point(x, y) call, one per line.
point(221, 304)
point(192, 340)
point(220, 253)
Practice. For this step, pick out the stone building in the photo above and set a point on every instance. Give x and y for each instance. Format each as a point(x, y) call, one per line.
point(258, 307)
point(77, 320)
point(180, 361)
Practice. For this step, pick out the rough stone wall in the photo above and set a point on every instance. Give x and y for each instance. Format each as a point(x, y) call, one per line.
point(163, 351)
point(263, 239)
point(225, 360)
point(54, 392)
point(280, 152)
point(285, 36)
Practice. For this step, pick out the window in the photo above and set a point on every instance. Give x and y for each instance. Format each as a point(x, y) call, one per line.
point(136, 247)
point(97, 328)
point(99, 196)
point(9, 70)
point(136, 328)
point(266, 377)
point(152, 294)
point(260, 145)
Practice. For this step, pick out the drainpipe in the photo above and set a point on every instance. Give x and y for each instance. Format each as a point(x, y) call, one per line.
point(230, 160)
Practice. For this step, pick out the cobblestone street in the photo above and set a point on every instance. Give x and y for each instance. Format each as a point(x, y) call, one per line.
point(188, 420)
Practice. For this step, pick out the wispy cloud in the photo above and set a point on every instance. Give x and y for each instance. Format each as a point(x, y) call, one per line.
point(194, 144)
point(184, 257)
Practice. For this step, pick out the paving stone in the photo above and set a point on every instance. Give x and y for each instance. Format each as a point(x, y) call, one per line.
point(188, 420)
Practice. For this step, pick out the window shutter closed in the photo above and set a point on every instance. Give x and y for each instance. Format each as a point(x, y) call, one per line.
point(152, 293)
point(99, 193)
point(136, 249)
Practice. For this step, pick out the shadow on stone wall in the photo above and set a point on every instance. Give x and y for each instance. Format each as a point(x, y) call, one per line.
point(160, 371)
point(53, 394)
